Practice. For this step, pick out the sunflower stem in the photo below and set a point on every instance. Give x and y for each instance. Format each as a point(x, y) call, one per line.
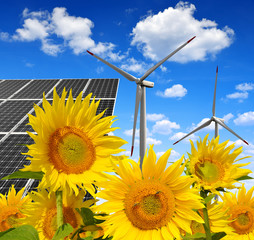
point(59, 208)
point(206, 218)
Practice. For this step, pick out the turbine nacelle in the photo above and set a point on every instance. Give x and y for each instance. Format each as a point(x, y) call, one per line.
point(140, 96)
point(217, 121)
point(146, 84)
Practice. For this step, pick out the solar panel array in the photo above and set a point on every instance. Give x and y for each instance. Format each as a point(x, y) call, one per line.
point(17, 98)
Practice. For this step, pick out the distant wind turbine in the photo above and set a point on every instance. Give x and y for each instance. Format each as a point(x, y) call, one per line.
point(141, 97)
point(214, 119)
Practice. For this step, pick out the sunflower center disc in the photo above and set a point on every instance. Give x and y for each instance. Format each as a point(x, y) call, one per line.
point(10, 216)
point(243, 223)
point(149, 204)
point(208, 171)
point(70, 150)
point(50, 220)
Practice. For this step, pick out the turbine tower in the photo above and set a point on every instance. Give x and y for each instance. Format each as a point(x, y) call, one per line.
point(217, 121)
point(141, 97)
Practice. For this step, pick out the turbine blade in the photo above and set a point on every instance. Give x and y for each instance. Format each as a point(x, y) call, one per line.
point(214, 96)
point(195, 130)
point(138, 99)
point(230, 130)
point(147, 73)
point(123, 73)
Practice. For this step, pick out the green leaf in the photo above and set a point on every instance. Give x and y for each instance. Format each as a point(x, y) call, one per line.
point(24, 174)
point(91, 228)
point(2, 233)
point(209, 198)
point(87, 238)
point(63, 231)
point(25, 232)
point(244, 178)
point(87, 216)
point(217, 236)
point(198, 236)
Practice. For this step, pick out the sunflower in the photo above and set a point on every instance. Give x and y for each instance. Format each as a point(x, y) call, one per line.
point(42, 212)
point(71, 145)
point(240, 209)
point(218, 220)
point(152, 204)
point(11, 207)
point(213, 166)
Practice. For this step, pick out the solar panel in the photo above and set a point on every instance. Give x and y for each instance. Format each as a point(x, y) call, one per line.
point(35, 89)
point(17, 98)
point(10, 87)
point(102, 88)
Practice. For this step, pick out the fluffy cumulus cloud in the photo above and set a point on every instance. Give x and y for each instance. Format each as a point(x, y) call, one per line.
point(245, 119)
point(177, 136)
point(238, 95)
point(133, 65)
point(227, 117)
point(161, 33)
point(242, 91)
point(176, 90)
point(210, 127)
point(153, 117)
point(129, 132)
point(164, 127)
point(71, 31)
point(245, 86)
point(153, 141)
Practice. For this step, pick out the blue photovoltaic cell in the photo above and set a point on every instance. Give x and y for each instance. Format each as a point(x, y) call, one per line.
point(9, 87)
point(11, 159)
point(103, 88)
point(77, 85)
point(35, 89)
point(11, 112)
point(15, 109)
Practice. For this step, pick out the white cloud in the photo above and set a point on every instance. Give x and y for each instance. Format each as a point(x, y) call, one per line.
point(163, 69)
point(227, 117)
point(245, 86)
point(238, 95)
point(129, 132)
point(246, 118)
point(160, 34)
point(180, 135)
point(69, 31)
point(210, 127)
point(133, 65)
point(176, 90)
point(154, 141)
point(4, 36)
point(33, 29)
point(153, 117)
point(164, 127)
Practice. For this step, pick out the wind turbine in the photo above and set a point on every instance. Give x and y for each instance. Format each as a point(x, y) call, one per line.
point(141, 97)
point(214, 119)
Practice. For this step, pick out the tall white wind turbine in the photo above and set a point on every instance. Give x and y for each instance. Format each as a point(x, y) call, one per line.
point(141, 97)
point(217, 121)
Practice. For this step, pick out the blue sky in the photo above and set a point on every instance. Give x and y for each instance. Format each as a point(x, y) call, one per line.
point(49, 39)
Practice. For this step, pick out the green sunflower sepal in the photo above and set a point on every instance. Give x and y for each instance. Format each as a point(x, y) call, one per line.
point(246, 177)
